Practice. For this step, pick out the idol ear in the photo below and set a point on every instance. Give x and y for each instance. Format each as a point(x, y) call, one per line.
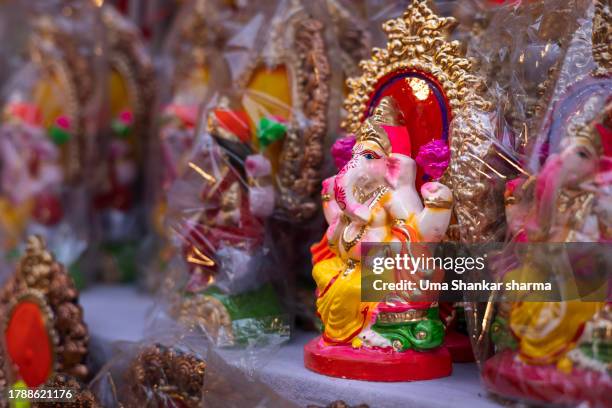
point(394, 168)
point(400, 168)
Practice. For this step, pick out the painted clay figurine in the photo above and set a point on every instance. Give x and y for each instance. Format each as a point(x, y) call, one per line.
point(564, 345)
point(400, 110)
point(374, 199)
point(259, 157)
point(43, 143)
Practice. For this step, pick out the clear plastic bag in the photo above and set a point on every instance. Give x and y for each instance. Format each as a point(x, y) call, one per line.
point(121, 149)
point(191, 56)
point(178, 367)
point(251, 172)
point(520, 46)
point(50, 112)
point(226, 265)
point(556, 352)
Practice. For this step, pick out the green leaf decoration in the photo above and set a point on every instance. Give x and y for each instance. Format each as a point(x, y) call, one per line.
point(121, 129)
point(270, 130)
point(59, 135)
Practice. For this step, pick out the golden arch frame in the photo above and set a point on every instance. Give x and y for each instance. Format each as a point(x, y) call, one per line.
point(418, 41)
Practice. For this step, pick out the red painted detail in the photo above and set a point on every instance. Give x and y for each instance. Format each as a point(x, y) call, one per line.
point(28, 344)
point(376, 364)
point(236, 122)
point(48, 209)
point(506, 375)
point(326, 288)
point(459, 346)
point(422, 117)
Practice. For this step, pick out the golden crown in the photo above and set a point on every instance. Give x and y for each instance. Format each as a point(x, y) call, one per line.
point(385, 113)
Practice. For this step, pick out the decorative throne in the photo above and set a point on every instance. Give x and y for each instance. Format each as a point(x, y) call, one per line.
point(429, 82)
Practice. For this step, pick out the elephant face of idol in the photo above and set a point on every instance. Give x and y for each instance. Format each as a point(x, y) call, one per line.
point(579, 160)
point(369, 169)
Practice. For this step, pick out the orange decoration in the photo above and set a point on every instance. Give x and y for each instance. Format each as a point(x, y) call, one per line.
point(236, 122)
point(320, 251)
point(29, 113)
point(28, 344)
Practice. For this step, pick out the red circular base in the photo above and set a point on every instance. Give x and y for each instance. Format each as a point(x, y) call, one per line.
point(376, 364)
point(459, 346)
point(505, 375)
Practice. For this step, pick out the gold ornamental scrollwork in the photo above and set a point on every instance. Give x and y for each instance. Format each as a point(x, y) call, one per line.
point(602, 36)
point(83, 396)
point(207, 313)
point(58, 55)
point(128, 56)
point(297, 41)
point(418, 41)
point(43, 280)
point(167, 376)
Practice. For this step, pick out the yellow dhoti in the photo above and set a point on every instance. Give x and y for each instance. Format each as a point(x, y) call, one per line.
point(339, 300)
point(548, 330)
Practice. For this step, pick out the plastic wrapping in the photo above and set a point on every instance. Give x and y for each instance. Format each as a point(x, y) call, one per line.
point(520, 46)
point(227, 291)
point(556, 352)
point(251, 173)
point(121, 148)
point(49, 109)
point(192, 55)
point(352, 41)
point(279, 102)
point(178, 367)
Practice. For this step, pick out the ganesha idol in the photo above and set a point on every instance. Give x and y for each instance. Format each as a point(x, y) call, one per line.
point(400, 111)
point(374, 199)
point(42, 143)
point(564, 346)
point(255, 160)
point(31, 175)
point(559, 352)
point(228, 293)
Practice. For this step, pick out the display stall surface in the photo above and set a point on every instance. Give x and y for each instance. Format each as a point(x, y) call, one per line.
point(115, 313)
point(119, 313)
point(287, 374)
